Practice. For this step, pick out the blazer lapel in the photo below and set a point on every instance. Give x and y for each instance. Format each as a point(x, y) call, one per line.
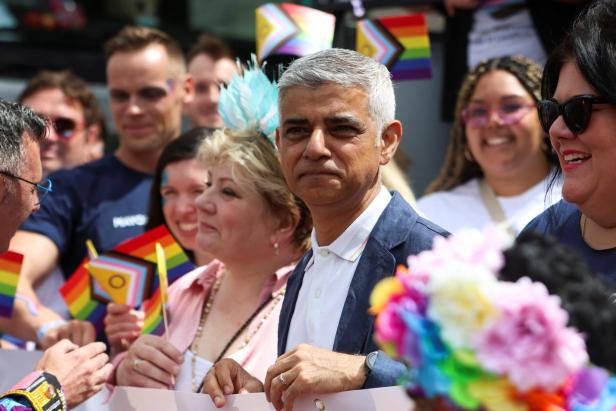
point(290, 299)
point(355, 325)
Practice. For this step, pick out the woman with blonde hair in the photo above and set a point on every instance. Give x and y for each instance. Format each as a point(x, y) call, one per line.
point(256, 230)
point(499, 162)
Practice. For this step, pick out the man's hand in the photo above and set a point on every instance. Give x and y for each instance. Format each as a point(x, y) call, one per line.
point(151, 362)
point(228, 377)
point(81, 371)
point(79, 332)
point(123, 326)
point(452, 5)
point(310, 370)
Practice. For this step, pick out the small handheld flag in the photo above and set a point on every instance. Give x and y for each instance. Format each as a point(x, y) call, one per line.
point(10, 267)
point(399, 42)
point(292, 29)
point(79, 290)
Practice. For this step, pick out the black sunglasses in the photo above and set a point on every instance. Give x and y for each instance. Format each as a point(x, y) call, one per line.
point(576, 112)
point(65, 127)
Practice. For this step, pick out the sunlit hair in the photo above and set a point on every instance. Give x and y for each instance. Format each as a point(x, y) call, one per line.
point(18, 123)
point(457, 168)
point(134, 38)
point(254, 165)
point(345, 68)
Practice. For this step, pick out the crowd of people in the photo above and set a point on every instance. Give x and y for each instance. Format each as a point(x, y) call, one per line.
point(278, 196)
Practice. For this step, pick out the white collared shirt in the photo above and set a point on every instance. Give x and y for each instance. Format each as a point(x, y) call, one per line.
point(327, 279)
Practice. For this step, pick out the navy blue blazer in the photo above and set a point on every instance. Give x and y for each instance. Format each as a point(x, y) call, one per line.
point(398, 233)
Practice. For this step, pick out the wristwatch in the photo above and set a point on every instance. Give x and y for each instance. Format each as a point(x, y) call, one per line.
point(370, 361)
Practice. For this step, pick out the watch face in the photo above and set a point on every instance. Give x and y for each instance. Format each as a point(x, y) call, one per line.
point(371, 359)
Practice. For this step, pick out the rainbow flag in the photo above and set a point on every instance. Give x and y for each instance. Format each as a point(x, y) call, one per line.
point(399, 42)
point(77, 294)
point(153, 322)
point(292, 29)
point(77, 291)
point(144, 247)
point(10, 267)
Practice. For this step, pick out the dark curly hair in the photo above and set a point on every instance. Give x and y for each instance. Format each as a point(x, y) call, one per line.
point(586, 296)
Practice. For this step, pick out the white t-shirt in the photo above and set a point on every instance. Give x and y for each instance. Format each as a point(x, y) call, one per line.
point(497, 37)
point(462, 207)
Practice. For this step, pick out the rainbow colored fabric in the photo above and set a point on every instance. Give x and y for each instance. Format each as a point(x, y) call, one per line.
point(10, 267)
point(77, 291)
point(288, 28)
point(399, 42)
point(481, 343)
point(153, 322)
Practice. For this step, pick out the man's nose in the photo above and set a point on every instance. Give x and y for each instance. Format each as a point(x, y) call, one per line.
point(316, 147)
point(214, 93)
point(134, 105)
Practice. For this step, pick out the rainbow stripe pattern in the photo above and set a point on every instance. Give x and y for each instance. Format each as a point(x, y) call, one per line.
point(292, 29)
point(399, 42)
point(77, 291)
point(78, 297)
point(10, 267)
point(153, 322)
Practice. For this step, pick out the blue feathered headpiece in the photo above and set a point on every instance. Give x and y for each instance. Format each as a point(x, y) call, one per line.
point(250, 102)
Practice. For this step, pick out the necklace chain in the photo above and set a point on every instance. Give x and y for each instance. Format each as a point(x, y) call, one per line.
point(195, 344)
point(207, 307)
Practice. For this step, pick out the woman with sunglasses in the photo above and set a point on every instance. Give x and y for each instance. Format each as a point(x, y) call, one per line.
point(579, 113)
point(498, 162)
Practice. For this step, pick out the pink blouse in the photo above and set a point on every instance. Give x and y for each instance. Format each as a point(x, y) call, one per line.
point(187, 296)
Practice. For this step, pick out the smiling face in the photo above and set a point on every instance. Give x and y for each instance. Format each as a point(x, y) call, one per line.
point(327, 143)
point(503, 150)
point(587, 159)
point(181, 183)
point(235, 222)
point(57, 151)
point(146, 95)
point(208, 76)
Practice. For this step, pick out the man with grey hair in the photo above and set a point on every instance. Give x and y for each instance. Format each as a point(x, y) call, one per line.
point(81, 372)
point(337, 129)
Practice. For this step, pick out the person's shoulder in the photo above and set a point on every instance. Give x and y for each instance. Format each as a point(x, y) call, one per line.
point(553, 218)
point(404, 225)
point(91, 169)
point(467, 190)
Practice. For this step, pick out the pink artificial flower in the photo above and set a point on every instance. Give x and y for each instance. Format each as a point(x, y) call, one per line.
point(482, 249)
point(530, 342)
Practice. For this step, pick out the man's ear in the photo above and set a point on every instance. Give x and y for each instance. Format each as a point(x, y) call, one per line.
point(188, 85)
point(390, 139)
point(95, 143)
